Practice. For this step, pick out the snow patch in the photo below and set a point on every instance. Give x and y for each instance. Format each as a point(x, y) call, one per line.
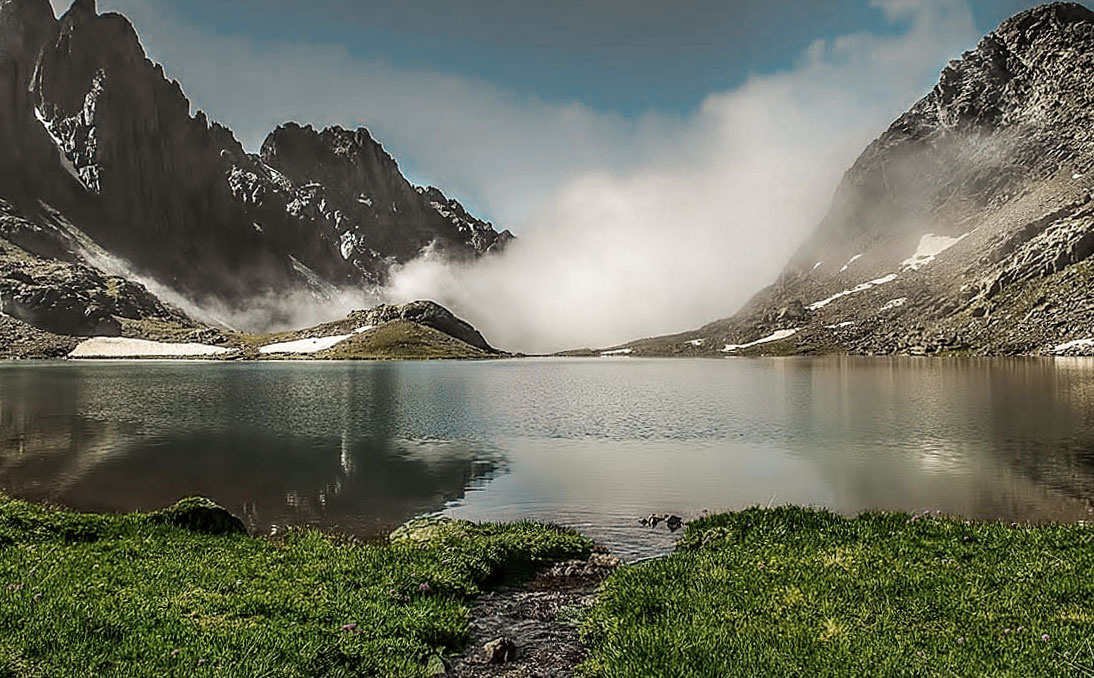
point(257, 227)
point(364, 200)
point(817, 265)
point(697, 342)
point(777, 336)
point(854, 290)
point(839, 326)
point(849, 262)
point(895, 303)
point(1078, 343)
point(930, 246)
point(1076, 176)
point(311, 345)
point(621, 351)
point(366, 328)
point(347, 245)
point(121, 347)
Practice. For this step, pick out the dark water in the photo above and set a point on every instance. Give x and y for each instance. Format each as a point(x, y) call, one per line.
point(361, 447)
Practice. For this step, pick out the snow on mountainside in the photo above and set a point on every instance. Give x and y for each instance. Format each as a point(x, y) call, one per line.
point(103, 167)
point(968, 226)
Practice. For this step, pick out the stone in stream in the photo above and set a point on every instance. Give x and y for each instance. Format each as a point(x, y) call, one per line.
point(500, 650)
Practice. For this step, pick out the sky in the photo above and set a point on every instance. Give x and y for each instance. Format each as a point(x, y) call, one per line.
point(659, 161)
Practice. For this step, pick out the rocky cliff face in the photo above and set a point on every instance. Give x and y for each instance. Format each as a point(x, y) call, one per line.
point(149, 183)
point(968, 226)
point(339, 203)
point(95, 140)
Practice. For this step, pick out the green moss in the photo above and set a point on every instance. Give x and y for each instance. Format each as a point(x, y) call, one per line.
point(133, 595)
point(154, 329)
point(794, 592)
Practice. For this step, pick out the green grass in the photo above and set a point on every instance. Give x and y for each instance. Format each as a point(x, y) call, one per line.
point(136, 595)
point(794, 592)
point(394, 340)
point(403, 340)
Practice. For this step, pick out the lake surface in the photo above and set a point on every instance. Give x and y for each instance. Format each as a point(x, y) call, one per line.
point(594, 444)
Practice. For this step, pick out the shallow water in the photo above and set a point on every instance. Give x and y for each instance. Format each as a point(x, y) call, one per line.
point(595, 444)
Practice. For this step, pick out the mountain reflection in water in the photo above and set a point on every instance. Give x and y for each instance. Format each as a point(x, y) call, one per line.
point(96, 444)
point(595, 444)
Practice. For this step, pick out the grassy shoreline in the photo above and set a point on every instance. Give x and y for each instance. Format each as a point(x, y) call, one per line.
point(798, 592)
point(761, 592)
point(168, 594)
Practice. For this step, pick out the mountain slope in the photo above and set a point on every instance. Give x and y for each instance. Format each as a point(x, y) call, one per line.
point(968, 226)
point(100, 154)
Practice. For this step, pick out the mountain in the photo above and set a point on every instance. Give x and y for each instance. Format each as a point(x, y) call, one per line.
point(967, 227)
point(110, 188)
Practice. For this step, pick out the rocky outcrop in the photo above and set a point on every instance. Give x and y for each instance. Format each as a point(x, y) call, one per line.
point(428, 313)
point(44, 283)
point(967, 226)
point(150, 185)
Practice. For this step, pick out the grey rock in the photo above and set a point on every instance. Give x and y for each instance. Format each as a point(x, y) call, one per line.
point(500, 650)
point(428, 313)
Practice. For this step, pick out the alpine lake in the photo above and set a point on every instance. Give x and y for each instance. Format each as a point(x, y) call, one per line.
point(595, 444)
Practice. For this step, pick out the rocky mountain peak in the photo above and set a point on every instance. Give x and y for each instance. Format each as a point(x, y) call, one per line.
point(95, 137)
point(335, 157)
point(81, 9)
point(1048, 17)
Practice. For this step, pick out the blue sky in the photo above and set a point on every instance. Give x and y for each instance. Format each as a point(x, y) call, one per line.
point(628, 56)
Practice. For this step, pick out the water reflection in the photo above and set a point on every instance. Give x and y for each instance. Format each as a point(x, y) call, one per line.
point(593, 444)
point(280, 451)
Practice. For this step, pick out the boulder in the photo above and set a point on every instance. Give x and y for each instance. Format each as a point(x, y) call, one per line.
point(199, 514)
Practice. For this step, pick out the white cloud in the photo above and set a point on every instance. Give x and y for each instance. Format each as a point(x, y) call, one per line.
point(712, 209)
point(628, 228)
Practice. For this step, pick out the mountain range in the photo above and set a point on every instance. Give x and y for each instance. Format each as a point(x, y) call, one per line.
point(966, 227)
point(115, 199)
